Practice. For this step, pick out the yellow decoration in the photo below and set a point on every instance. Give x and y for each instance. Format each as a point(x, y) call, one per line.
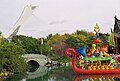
point(89, 67)
point(93, 46)
point(96, 29)
point(102, 67)
point(107, 66)
point(111, 66)
point(98, 67)
point(94, 67)
point(93, 50)
point(105, 54)
point(80, 63)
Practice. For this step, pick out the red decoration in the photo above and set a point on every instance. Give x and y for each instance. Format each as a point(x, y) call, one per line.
point(70, 52)
point(97, 41)
point(105, 48)
point(88, 54)
point(118, 59)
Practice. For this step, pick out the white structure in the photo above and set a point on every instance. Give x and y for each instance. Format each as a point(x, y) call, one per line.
point(27, 11)
point(40, 59)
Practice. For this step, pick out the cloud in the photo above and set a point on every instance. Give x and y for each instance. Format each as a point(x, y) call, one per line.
point(57, 22)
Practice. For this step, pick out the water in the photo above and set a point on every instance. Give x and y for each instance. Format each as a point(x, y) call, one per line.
point(60, 74)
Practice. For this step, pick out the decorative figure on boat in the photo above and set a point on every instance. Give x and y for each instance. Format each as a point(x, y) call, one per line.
point(96, 28)
point(82, 51)
point(80, 61)
point(97, 52)
point(94, 46)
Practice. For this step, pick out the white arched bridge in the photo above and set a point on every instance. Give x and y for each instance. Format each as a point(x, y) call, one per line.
point(40, 59)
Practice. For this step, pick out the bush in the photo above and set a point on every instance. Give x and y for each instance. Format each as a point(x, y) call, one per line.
point(11, 58)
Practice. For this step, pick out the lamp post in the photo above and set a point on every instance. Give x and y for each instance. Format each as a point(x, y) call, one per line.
point(41, 44)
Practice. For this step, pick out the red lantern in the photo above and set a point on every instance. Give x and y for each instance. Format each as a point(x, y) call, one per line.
point(97, 41)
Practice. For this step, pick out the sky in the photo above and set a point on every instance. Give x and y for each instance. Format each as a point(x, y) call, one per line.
point(59, 16)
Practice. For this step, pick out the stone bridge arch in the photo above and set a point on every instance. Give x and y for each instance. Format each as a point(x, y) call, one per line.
point(40, 59)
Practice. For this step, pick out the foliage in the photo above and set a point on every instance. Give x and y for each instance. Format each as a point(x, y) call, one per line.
point(31, 45)
point(104, 38)
point(49, 36)
point(57, 42)
point(81, 32)
point(71, 42)
point(56, 39)
point(80, 39)
point(56, 45)
point(11, 58)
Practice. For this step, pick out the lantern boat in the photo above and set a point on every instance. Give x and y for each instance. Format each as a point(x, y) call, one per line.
point(97, 61)
point(99, 65)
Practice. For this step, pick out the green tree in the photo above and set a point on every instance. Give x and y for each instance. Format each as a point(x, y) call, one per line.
point(71, 42)
point(57, 42)
point(32, 45)
point(49, 36)
point(11, 58)
point(81, 32)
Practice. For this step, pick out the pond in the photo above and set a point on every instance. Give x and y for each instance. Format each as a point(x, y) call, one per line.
point(65, 73)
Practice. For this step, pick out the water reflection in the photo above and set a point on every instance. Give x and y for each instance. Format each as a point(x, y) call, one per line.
point(41, 71)
point(111, 77)
point(53, 74)
point(34, 72)
point(44, 73)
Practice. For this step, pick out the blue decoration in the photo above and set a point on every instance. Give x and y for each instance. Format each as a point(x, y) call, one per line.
point(82, 51)
point(97, 35)
point(94, 53)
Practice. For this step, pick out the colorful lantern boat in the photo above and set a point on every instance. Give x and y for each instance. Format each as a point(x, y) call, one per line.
point(97, 61)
